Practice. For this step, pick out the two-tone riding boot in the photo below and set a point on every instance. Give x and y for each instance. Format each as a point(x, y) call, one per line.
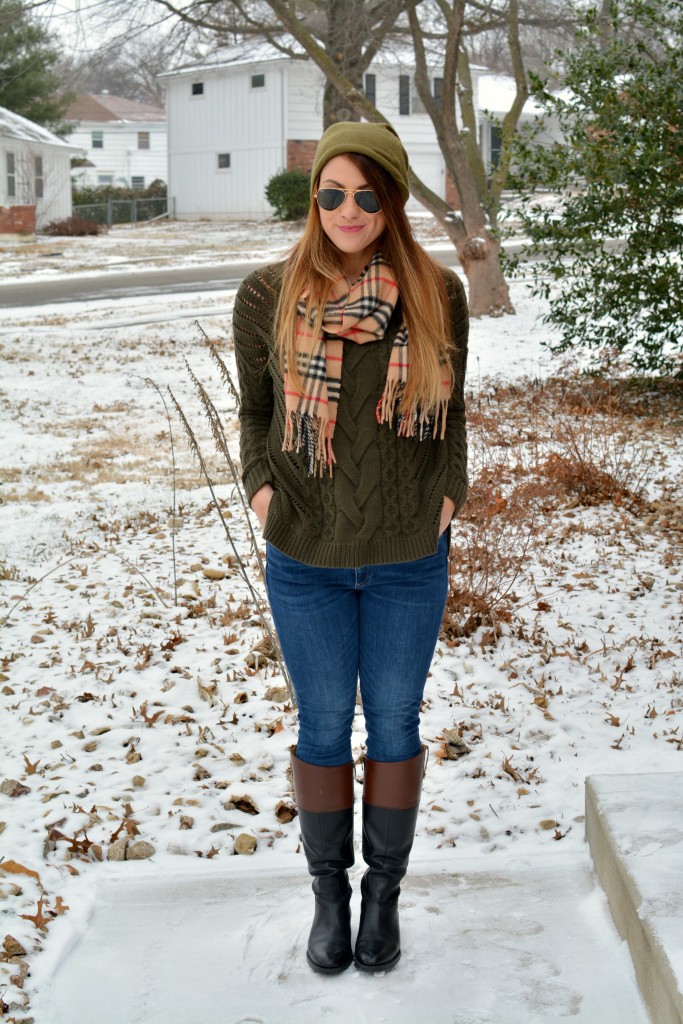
point(324, 797)
point(391, 798)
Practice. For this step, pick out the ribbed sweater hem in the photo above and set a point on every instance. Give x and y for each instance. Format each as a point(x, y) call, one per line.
point(378, 551)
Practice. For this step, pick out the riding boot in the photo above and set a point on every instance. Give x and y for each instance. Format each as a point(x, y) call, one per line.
point(324, 796)
point(391, 797)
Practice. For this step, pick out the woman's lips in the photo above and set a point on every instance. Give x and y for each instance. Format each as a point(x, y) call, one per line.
point(351, 228)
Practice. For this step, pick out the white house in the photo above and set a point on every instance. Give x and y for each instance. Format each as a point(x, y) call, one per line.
point(124, 141)
point(235, 122)
point(495, 94)
point(35, 171)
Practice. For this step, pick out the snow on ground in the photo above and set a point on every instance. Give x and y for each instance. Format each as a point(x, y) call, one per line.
point(165, 244)
point(135, 723)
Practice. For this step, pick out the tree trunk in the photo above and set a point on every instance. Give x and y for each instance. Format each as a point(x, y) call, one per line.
point(346, 34)
point(478, 252)
point(335, 107)
point(489, 294)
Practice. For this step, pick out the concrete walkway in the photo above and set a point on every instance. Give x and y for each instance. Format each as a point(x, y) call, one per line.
point(532, 944)
point(634, 824)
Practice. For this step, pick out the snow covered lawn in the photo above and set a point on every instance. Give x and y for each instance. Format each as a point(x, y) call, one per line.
point(165, 244)
point(138, 726)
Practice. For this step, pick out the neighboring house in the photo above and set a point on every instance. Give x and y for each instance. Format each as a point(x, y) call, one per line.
point(35, 172)
point(236, 121)
point(124, 141)
point(496, 94)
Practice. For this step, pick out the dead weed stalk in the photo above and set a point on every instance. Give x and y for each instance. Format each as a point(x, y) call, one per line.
point(221, 444)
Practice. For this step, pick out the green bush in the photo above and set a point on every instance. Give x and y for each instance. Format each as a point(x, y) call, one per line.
point(91, 194)
point(289, 194)
point(607, 254)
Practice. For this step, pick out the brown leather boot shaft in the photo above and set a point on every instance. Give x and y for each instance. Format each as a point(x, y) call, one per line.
point(319, 789)
point(395, 784)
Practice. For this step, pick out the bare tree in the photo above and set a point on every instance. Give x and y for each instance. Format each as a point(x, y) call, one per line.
point(125, 67)
point(343, 36)
point(545, 27)
point(470, 227)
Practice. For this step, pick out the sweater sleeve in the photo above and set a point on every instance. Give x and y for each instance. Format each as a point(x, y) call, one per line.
point(252, 324)
point(456, 431)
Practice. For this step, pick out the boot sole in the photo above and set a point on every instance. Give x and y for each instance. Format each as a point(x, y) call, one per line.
point(378, 968)
point(328, 970)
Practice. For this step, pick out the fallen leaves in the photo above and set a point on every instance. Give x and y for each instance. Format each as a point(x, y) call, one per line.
point(150, 720)
point(31, 766)
point(12, 947)
point(285, 812)
point(11, 867)
point(244, 803)
point(39, 919)
point(13, 788)
point(78, 847)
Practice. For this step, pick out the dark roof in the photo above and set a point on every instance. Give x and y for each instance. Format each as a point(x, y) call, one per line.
point(105, 107)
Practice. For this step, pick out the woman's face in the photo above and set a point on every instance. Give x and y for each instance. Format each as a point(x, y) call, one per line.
point(354, 232)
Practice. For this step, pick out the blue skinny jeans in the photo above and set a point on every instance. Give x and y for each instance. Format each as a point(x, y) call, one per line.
point(378, 624)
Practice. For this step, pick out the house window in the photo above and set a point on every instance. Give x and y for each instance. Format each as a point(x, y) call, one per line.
point(371, 88)
point(258, 81)
point(223, 161)
point(11, 176)
point(143, 140)
point(105, 179)
point(404, 94)
point(438, 93)
point(495, 145)
point(197, 88)
point(137, 182)
point(38, 176)
point(98, 140)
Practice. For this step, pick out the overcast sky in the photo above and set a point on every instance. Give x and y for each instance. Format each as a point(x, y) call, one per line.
point(85, 24)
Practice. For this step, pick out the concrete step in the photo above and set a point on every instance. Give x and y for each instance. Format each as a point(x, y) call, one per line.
point(634, 826)
point(530, 942)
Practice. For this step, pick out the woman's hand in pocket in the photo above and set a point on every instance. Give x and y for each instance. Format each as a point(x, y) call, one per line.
point(447, 510)
point(260, 503)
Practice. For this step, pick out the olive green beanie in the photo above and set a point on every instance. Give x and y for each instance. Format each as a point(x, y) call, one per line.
point(379, 141)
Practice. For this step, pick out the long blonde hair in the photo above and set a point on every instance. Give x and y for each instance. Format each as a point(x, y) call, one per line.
point(315, 262)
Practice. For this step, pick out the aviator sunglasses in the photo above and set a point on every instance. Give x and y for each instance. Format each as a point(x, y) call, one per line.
point(333, 198)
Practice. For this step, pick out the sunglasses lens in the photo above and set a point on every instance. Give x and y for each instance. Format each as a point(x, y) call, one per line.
point(333, 198)
point(330, 198)
point(367, 201)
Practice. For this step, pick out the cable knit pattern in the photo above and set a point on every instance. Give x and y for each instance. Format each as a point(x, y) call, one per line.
point(383, 501)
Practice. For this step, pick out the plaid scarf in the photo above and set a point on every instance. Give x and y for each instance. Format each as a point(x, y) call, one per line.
point(359, 313)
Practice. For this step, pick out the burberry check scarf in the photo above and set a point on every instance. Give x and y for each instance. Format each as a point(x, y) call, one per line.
point(361, 314)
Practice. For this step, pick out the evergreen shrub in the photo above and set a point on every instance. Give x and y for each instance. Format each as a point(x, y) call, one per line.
point(289, 194)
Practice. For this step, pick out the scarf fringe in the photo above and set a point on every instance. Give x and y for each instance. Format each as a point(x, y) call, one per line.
point(313, 436)
point(414, 422)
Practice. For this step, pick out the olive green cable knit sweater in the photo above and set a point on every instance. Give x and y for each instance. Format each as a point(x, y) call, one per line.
point(382, 502)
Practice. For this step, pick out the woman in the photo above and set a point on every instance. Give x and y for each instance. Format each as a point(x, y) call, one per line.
point(351, 358)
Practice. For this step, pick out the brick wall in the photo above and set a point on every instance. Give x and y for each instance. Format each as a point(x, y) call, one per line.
point(300, 153)
point(17, 220)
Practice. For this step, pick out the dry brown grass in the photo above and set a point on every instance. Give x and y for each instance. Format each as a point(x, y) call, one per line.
point(537, 448)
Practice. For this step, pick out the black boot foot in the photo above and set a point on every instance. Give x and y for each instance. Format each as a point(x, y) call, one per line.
point(378, 946)
point(329, 944)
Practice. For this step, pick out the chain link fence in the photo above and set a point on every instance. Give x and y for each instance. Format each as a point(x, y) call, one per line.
point(125, 211)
